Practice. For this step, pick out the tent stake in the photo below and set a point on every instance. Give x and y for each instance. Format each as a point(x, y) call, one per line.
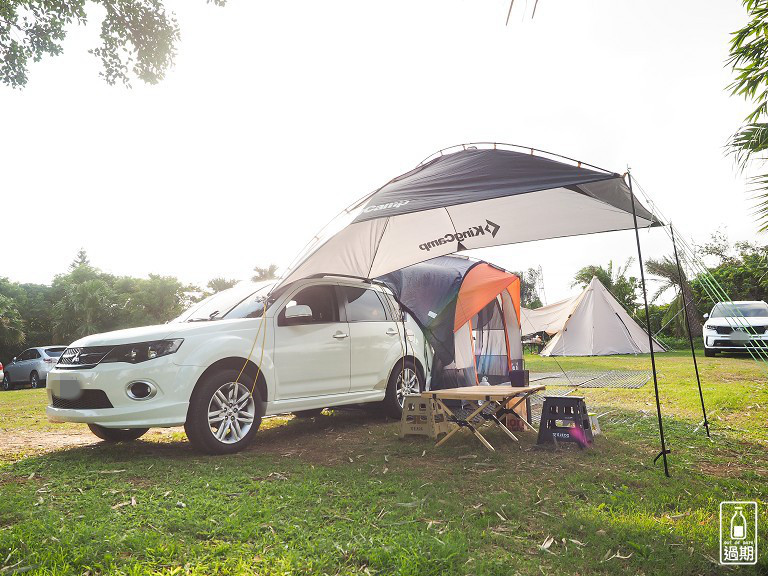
point(688, 326)
point(664, 451)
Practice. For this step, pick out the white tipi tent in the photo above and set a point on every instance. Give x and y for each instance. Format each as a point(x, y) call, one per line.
point(590, 324)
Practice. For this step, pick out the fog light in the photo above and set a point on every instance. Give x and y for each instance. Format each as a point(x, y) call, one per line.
point(140, 390)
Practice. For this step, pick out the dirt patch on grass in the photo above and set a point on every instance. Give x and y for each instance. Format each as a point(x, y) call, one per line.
point(325, 439)
point(31, 441)
point(20, 444)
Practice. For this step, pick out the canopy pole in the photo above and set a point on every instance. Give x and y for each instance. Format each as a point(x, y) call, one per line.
point(664, 451)
point(688, 326)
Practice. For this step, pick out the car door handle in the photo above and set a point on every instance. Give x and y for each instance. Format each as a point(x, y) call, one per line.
point(340, 335)
point(392, 332)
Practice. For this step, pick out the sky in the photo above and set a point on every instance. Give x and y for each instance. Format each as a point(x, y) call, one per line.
point(277, 115)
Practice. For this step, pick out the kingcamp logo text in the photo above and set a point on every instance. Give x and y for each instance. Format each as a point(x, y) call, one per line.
point(490, 227)
point(386, 206)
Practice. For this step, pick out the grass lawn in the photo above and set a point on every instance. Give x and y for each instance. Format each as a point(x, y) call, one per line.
point(341, 494)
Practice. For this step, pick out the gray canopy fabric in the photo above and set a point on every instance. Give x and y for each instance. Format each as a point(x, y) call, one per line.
point(472, 198)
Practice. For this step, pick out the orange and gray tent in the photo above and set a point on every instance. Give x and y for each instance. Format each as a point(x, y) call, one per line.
point(469, 312)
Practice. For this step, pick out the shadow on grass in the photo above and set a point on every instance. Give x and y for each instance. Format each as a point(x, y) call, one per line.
point(456, 509)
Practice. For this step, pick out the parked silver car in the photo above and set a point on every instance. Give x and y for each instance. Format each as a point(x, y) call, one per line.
point(31, 366)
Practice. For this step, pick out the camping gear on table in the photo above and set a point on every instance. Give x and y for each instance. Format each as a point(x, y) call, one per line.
point(590, 324)
point(492, 402)
point(565, 419)
point(469, 312)
point(423, 417)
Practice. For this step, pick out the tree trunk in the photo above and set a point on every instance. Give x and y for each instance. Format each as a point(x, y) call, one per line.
point(693, 313)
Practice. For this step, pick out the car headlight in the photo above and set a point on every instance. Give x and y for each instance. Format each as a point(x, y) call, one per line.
point(142, 351)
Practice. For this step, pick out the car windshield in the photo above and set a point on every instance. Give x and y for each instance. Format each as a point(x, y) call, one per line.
point(54, 352)
point(222, 304)
point(745, 309)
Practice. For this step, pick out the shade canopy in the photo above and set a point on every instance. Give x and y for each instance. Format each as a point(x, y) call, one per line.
point(473, 198)
point(590, 324)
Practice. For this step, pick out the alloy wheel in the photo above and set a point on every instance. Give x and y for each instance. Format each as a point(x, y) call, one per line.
point(231, 412)
point(407, 383)
point(33, 380)
point(6, 383)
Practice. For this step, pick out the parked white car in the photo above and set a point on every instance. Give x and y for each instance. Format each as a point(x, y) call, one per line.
point(227, 362)
point(736, 326)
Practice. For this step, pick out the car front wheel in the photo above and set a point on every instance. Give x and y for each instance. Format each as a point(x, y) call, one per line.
point(224, 413)
point(6, 383)
point(117, 434)
point(405, 379)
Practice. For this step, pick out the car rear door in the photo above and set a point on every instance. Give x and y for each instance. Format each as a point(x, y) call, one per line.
point(312, 354)
point(377, 340)
point(36, 364)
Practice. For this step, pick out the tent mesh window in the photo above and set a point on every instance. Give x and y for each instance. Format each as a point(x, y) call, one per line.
point(491, 356)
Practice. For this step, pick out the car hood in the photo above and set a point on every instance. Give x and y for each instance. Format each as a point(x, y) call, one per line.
point(734, 321)
point(158, 332)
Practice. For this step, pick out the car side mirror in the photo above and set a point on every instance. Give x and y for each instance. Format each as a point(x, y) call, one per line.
point(706, 315)
point(298, 311)
point(14, 360)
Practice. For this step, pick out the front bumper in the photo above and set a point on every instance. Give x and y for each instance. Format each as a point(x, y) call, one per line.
point(167, 408)
point(735, 342)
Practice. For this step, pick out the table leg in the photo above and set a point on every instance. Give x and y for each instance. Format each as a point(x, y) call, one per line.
point(449, 413)
point(511, 410)
point(503, 426)
point(466, 423)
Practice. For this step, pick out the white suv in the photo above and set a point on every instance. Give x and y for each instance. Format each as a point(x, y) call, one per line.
point(238, 356)
point(736, 326)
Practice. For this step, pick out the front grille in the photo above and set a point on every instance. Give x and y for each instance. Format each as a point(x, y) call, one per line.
point(741, 344)
point(745, 329)
point(87, 400)
point(85, 357)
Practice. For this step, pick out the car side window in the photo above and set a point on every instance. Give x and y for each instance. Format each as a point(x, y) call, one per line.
point(34, 354)
point(26, 355)
point(322, 302)
point(363, 305)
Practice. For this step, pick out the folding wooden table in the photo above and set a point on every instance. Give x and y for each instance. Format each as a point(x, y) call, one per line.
point(493, 401)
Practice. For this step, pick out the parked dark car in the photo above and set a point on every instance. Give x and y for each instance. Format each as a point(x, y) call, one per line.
point(31, 367)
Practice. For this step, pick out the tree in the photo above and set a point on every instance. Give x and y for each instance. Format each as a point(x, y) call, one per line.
point(666, 269)
point(11, 323)
point(741, 271)
point(529, 281)
point(80, 260)
point(748, 60)
point(150, 301)
point(268, 273)
point(623, 288)
point(138, 37)
point(219, 284)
